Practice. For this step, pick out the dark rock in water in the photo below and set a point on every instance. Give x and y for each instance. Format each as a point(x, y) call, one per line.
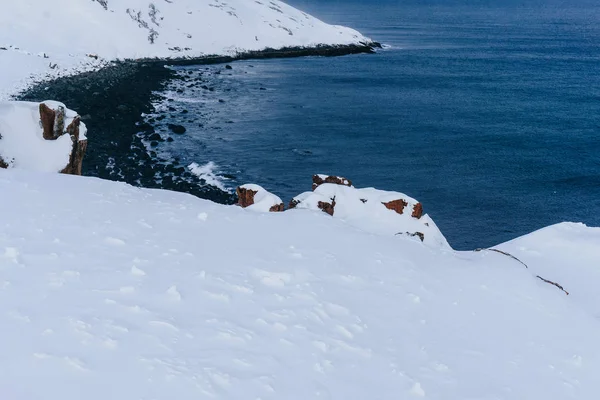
point(221, 101)
point(262, 88)
point(154, 143)
point(212, 89)
point(204, 87)
point(170, 139)
point(184, 111)
point(178, 129)
point(228, 66)
point(155, 137)
point(172, 109)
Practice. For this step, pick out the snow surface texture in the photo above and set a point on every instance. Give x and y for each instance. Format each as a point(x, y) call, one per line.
point(21, 141)
point(127, 293)
point(364, 209)
point(51, 38)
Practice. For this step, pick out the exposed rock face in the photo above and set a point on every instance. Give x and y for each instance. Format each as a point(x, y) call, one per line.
point(396, 205)
point(47, 116)
point(260, 199)
point(400, 204)
point(245, 196)
point(417, 211)
point(53, 127)
point(293, 203)
point(318, 180)
point(327, 207)
point(79, 148)
point(3, 164)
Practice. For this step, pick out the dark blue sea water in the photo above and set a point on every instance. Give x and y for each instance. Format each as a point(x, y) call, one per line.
point(489, 115)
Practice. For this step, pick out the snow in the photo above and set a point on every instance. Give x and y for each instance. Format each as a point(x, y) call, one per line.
point(22, 144)
point(48, 39)
point(364, 209)
point(111, 291)
point(263, 199)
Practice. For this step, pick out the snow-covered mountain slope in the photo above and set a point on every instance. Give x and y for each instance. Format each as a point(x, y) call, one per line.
point(56, 36)
point(114, 292)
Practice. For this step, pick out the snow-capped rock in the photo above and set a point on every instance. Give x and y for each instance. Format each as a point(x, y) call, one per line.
point(256, 198)
point(44, 137)
point(320, 179)
point(373, 210)
point(63, 36)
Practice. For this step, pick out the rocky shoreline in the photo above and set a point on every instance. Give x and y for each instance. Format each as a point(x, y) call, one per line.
point(113, 99)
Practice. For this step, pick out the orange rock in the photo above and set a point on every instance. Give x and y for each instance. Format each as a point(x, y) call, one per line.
point(245, 197)
point(396, 205)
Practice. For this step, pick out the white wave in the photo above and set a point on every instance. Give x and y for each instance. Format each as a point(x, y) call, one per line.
point(208, 172)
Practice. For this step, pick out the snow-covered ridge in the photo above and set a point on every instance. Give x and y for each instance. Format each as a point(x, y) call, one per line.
point(62, 36)
point(116, 292)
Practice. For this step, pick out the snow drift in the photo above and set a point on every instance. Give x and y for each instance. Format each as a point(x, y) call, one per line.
point(127, 293)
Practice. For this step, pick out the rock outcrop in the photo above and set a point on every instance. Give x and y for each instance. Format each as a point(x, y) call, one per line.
point(327, 208)
point(53, 127)
point(417, 211)
point(256, 198)
point(320, 179)
point(396, 205)
point(377, 211)
point(64, 142)
point(245, 196)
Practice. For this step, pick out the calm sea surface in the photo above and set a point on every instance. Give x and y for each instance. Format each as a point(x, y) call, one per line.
point(490, 116)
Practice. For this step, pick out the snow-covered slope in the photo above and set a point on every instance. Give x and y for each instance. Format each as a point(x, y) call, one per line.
point(114, 292)
point(38, 36)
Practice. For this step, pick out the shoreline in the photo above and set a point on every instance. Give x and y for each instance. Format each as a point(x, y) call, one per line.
point(113, 100)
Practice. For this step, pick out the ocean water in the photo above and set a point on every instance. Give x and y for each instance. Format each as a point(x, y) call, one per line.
point(489, 115)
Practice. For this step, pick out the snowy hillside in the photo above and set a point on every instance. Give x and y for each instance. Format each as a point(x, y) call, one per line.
point(114, 292)
point(55, 36)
